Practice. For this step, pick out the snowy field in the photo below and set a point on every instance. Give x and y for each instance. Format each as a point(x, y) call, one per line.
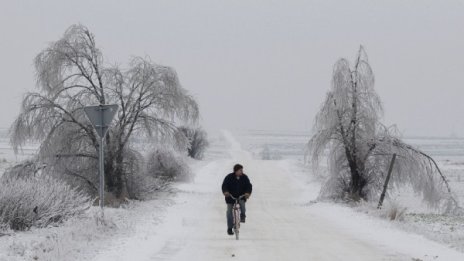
point(285, 221)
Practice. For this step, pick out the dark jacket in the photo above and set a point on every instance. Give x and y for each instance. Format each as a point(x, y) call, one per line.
point(236, 187)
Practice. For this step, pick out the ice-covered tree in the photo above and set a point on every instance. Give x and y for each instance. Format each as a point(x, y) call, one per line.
point(359, 147)
point(71, 74)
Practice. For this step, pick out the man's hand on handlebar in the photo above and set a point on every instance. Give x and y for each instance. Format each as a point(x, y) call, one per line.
point(247, 195)
point(226, 194)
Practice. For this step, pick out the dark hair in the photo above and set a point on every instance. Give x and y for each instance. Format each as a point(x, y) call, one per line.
point(237, 167)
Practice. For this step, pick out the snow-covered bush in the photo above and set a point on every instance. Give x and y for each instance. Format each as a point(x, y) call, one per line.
point(394, 211)
point(155, 172)
point(139, 184)
point(38, 201)
point(167, 165)
point(26, 169)
point(267, 154)
point(198, 141)
point(162, 167)
point(142, 186)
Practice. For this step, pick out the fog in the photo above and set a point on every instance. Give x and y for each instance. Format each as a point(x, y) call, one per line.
point(261, 64)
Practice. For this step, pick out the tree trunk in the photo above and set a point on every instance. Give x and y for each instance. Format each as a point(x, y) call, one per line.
point(120, 189)
point(114, 173)
point(358, 181)
point(109, 173)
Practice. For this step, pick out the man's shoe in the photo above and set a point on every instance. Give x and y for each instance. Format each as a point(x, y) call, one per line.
point(230, 232)
point(242, 220)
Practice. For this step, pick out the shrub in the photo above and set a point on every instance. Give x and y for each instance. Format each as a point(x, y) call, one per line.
point(162, 167)
point(143, 186)
point(25, 169)
point(198, 141)
point(38, 201)
point(140, 184)
point(394, 211)
point(168, 166)
point(267, 154)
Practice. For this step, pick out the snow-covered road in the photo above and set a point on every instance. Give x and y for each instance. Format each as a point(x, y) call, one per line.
point(278, 227)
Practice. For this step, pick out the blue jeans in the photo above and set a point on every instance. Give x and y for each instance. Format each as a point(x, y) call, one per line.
point(230, 218)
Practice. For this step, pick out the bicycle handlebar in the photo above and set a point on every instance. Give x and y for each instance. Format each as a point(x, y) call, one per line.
point(242, 196)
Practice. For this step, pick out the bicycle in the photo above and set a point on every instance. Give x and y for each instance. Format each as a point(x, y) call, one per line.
point(236, 215)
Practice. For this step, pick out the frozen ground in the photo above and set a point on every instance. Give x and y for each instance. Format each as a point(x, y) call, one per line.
point(282, 222)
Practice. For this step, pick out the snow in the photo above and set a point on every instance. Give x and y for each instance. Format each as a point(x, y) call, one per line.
point(384, 233)
point(279, 225)
point(80, 238)
point(284, 222)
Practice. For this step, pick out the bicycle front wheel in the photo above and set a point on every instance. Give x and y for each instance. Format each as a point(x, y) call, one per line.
point(236, 222)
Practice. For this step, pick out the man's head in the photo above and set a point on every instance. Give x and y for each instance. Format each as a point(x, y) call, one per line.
point(238, 170)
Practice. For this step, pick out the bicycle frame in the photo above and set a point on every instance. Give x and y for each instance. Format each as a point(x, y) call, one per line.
point(236, 215)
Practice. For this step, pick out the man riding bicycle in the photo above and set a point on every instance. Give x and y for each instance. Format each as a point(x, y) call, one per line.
point(236, 184)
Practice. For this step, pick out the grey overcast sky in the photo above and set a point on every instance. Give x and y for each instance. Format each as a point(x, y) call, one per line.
point(261, 64)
